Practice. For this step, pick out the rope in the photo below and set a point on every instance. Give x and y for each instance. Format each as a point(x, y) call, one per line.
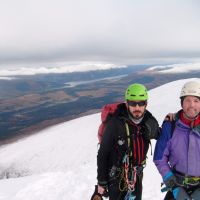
point(129, 182)
point(128, 136)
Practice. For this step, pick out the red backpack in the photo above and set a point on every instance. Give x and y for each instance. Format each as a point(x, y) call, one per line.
point(106, 114)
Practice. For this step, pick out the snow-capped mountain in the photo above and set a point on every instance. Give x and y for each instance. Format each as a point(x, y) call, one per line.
point(59, 163)
point(60, 69)
point(176, 68)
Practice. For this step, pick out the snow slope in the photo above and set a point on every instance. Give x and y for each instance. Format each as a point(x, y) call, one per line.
point(59, 163)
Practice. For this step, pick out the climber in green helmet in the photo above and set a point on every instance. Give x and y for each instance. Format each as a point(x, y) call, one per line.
point(124, 145)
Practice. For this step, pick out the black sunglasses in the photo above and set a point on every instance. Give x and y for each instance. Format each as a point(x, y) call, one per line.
point(135, 103)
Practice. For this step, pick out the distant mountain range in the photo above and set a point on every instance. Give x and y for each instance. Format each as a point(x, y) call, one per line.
point(31, 103)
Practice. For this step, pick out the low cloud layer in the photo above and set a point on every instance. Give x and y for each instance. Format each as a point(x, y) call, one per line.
point(176, 68)
point(12, 73)
point(5, 73)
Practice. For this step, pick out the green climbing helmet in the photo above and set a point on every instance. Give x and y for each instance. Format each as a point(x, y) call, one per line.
point(136, 92)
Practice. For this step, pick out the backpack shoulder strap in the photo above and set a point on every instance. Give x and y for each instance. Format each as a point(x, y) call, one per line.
point(173, 125)
point(128, 135)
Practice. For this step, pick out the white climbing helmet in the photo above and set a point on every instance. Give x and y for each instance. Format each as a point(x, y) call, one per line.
point(191, 88)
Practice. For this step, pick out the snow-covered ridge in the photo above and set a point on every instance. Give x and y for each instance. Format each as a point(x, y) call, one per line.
point(16, 71)
point(7, 78)
point(176, 68)
point(59, 162)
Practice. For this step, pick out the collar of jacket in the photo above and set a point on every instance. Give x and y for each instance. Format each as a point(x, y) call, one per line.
point(191, 123)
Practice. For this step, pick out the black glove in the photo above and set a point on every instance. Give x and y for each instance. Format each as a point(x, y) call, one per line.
point(150, 129)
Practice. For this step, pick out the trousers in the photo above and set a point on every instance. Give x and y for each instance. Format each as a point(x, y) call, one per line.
point(193, 192)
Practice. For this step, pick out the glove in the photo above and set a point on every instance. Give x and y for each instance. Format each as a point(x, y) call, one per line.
point(170, 180)
point(179, 194)
point(150, 129)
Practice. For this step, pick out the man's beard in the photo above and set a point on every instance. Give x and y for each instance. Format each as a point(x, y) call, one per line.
point(193, 117)
point(136, 114)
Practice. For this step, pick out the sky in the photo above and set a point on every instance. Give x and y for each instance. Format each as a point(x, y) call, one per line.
point(55, 32)
point(59, 162)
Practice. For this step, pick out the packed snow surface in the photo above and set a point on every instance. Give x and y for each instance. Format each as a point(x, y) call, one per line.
point(59, 163)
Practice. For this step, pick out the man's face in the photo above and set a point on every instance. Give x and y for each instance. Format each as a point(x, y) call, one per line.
point(137, 108)
point(191, 106)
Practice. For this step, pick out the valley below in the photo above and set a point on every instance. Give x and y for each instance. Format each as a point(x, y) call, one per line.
point(31, 103)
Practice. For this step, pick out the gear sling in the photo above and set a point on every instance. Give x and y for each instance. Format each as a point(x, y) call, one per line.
point(131, 171)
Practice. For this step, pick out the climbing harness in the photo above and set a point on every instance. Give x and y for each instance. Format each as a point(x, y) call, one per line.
point(191, 181)
point(129, 173)
point(184, 181)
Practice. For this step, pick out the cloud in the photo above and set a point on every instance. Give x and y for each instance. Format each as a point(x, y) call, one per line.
point(17, 71)
point(176, 68)
point(6, 78)
point(104, 30)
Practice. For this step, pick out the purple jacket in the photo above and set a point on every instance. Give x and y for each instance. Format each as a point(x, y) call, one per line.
point(179, 150)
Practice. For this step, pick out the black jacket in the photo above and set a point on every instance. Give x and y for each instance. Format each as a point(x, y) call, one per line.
point(114, 143)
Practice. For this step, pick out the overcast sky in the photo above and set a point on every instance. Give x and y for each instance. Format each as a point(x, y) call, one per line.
point(109, 31)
